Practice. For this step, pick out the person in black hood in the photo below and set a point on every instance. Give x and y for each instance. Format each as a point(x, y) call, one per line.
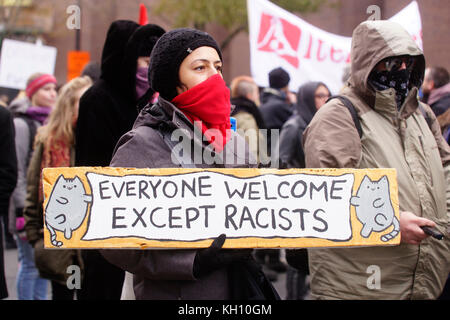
point(276, 102)
point(310, 97)
point(107, 111)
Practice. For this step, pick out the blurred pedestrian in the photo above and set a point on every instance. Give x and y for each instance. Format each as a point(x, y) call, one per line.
point(276, 102)
point(41, 98)
point(386, 73)
point(436, 90)
point(310, 97)
point(108, 110)
point(186, 69)
point(54, 147)
point(249, 120)
point(8, 177)
point(276, 108)
point(92, 70)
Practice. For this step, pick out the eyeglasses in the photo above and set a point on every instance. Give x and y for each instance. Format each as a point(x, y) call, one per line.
point(321, 96)
point(395, 63)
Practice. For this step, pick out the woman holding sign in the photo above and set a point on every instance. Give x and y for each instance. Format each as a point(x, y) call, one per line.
point(194, 104)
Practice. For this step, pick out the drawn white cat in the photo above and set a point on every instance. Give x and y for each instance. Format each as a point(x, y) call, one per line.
point(374, 208)
point(66, 208)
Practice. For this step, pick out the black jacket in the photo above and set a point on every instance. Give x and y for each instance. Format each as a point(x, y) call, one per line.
point(105, 113)
point(8, 179)
point(274, 108)
point(8, 160)
point(275, 111)
point(291, 149)
point(109, 108)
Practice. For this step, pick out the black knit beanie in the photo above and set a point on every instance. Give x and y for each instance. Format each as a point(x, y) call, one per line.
point(278, 78)
point(168, 54)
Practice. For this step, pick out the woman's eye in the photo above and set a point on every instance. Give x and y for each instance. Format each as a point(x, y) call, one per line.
point(199, 68)
point(219, 68)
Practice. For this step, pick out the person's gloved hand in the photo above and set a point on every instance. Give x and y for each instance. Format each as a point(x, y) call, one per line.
point(214, 257)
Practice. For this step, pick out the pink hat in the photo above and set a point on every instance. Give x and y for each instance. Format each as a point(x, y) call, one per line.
point(38, 83)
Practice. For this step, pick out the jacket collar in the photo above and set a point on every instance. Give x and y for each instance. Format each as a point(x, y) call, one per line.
point(385, 103)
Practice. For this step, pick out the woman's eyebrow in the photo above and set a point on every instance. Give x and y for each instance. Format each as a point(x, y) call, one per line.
point(205, 60)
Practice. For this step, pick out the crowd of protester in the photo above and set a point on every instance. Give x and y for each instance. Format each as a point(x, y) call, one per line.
point(122, 111)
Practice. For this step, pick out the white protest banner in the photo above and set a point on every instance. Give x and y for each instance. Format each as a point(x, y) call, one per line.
point(183, 208)
point(279, 38)
point(19, 60)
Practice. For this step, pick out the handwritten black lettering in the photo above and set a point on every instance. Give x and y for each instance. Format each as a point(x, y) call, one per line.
point(172, 218)
point(229, 217)
point(313, 187)
point(139, 217)
point(333, 189)
point(236, 191)
point(257, 218)
point(190, 218)
point(202, 187)
point(301, 212)
point(246, 216)
point(115, 217)
point(153, 222)
point(285, 228)
point(325, 224)
point(101, 188)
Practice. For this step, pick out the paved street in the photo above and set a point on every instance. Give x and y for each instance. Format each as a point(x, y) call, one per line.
point(11, 266)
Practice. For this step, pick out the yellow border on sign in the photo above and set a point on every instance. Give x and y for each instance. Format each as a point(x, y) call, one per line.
point(50, 176)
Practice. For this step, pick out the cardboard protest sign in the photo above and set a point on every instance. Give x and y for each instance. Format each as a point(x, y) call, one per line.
point(19, 60)
point(88, 207)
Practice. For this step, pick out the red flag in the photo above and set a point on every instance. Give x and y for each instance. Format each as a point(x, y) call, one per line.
point(143, 18)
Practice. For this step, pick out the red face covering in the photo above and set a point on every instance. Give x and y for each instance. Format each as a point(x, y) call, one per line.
point(208, 102)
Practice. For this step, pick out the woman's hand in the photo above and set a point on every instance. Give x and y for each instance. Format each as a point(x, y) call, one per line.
point(410, 227)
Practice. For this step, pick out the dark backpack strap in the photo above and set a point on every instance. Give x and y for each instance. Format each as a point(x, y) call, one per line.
point(33, 129)
point(351, 108)
point(425, 115)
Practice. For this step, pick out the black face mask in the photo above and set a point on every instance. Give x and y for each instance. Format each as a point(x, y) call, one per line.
point(398, 80)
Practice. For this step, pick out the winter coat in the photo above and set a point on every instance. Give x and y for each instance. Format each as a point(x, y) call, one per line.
point(249, 122)
point(291, 149)
point(444, 122)
point(391, 138)
point(24, 143)
point(108, 108)
point(8, 159)
point(8, 178)
point(52, 264)
point(439, 99)
point(275, 110)
point(168, 274)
